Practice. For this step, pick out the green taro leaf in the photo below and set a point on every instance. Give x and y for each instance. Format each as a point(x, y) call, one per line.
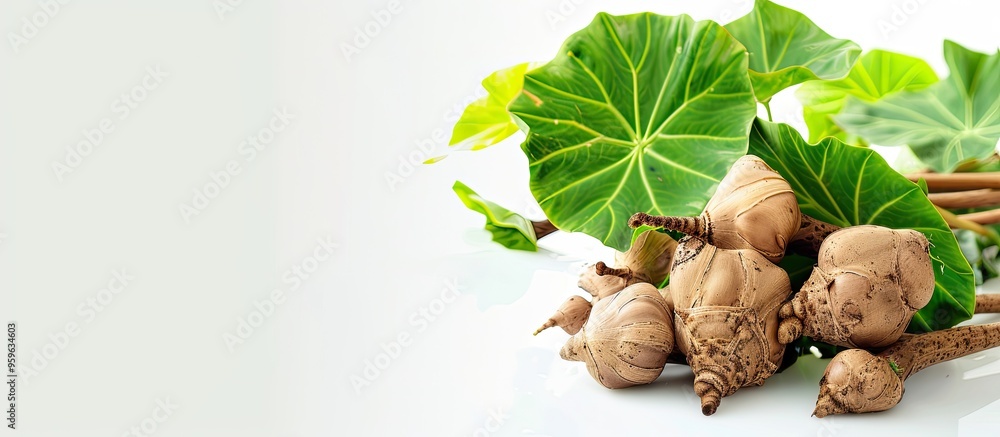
point(846, 185)
point(922, 184)
point(876, 74)
point(508, 228)
point(636, 113)
point(787, 48)
point(948, 124)
point(486, 121)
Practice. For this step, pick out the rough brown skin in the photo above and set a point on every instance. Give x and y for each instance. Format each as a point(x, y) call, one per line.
point(858, 382)
point(726, 316)
point(810, 236)
point(753, 208)
point(627, 339)
point(676, 356)
point(570, 316)
point(987, 303)
point(868, 283)
point(648, 260)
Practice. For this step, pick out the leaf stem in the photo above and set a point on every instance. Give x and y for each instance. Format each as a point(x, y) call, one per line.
point(943, 182)
point(966, 199)
point(984, 217)
point(963, 222)
point(767, 106)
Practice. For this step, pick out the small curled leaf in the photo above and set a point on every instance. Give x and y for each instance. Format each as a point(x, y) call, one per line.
point(508, 228)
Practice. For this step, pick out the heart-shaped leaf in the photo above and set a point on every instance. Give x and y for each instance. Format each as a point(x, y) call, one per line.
point(950, 123)
point(508, 228)
point(787, 48)
point(846, 185)
point(876, 74)
point(486, 121)
point(637, 113)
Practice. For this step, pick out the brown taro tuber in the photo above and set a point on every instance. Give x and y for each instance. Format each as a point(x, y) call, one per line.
point(726, 316)
point(627, 339)
point(868, 283)
point(753, 208)
point(570, 316)
point(649, 257)
point(648, 260)
point(858, 382)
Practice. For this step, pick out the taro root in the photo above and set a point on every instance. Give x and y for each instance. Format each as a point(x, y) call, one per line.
point(858, 382)
point(647, 260)
point(726, 316)
point(868, 283)
point(753, 208)
point(570, 316)
point(627, 339)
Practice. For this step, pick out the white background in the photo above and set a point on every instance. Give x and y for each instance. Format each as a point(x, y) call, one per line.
point(324, 177)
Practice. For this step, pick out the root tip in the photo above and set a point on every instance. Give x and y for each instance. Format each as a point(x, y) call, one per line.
point(548, 324)
point(709, 408)
point(710, 397)
point(601, 268)
point(826, 408)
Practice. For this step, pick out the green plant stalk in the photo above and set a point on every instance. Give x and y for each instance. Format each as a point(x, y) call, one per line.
point(962, 222)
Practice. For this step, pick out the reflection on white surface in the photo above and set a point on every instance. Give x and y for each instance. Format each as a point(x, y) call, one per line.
point(990, 369)
point(983, 422)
